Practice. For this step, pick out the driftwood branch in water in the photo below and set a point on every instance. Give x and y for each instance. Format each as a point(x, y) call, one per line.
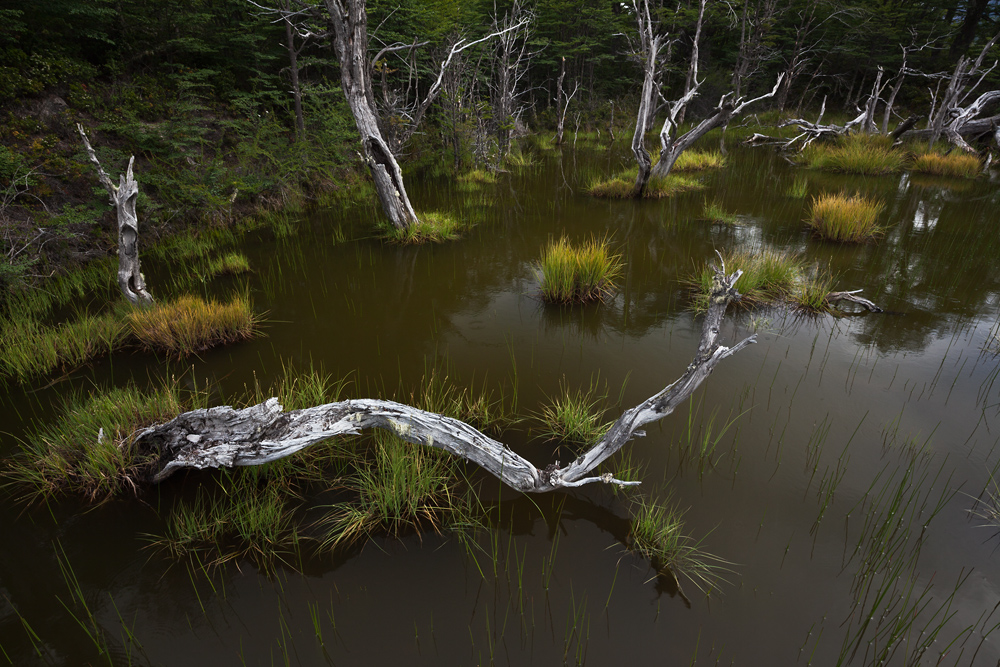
point(123, 197)
point(853, 297)
point(226, 437)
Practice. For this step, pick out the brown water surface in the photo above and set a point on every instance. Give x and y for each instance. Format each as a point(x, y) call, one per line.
point(840, 496)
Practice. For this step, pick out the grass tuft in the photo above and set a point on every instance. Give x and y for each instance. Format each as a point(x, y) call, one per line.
point(29, 348)
point(699, 161)
point(88, 450)
point(432, 227)
point(231, 263)
point(811, 292)
point(574, 416)
point(716, 213)
point(838, 217)
point(767, 275)
point(577, 274)
point(478, 176)
point(955, 165)
point(798, 189)
point(621, 185)
point(190, 324)
point(869, 155)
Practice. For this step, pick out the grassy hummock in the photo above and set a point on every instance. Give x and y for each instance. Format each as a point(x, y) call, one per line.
point(852, 219)
point(574, 416)
point(716, 213)
point(868, 155)
point(621, 185)
point(190, 324)
point(431, 227)
point(699, 161)
point(578, 273)
point(29, 348)
point(768, 275)
point(954, 165)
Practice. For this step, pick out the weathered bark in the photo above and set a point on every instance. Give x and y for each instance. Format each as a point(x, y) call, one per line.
point(293, 72)
point(691, 81)
point(225, 437)
point(562, 103)
point(123, 197)
point(649, 50)
point(948, 118)
point(853, 297)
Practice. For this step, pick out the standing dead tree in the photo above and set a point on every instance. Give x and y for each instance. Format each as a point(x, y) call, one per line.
point(755, 22)
point(123, 197)
point(511, 58)
point(949, 117)
point(225, 437)
point(563, 99)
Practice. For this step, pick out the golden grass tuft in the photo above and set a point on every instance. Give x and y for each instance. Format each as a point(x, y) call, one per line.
point(768, 275)
point(190, 324)
point(620, 186)
point(955, 165)
point(577, 274)
point(431, 227)
point(838, 217)
point(869, 155)
point(699, 161)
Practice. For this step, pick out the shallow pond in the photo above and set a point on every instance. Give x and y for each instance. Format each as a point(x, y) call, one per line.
point(843, 495)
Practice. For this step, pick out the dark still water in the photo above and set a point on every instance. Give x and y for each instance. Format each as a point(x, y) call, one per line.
point(843, 496)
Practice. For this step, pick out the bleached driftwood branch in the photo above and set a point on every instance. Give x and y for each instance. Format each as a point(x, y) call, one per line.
point(226, 437)
point(853, 297)
point(123, 197)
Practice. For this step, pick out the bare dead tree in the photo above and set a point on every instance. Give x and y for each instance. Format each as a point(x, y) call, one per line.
point(294, 44)
point(562, 103)
point(949, 116)
point(755, 21)
point(512, 57)
point(692, 74)
point(123, 197)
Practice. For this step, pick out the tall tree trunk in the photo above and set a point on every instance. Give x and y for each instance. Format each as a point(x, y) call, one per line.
point(350, 27)
point(293, 75)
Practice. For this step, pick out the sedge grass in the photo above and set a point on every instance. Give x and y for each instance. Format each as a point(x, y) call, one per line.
point(656, 532)
point(811, 291)
point(29, 348)
point(477, 406)
point(231, 263)
point(87, 451)
point(868, 155)
point(955, 165)
point(574, 416)
point(850, 219)
point(578, 273)
point(768, 275)
point(431, 227)
point(478, 176)
point(798, 189)
point(691, 160)
point(714, 211)
point(621, 186)
point(190, 324)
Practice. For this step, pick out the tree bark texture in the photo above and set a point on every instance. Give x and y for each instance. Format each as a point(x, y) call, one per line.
point(123, 197)
point(225, 437)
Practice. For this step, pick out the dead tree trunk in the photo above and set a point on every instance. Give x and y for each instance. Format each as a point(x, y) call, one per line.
point(650, 43)
point(562, 103)
point(123, 197)
point(293, 71)
point(224, 437)
point(949, 112)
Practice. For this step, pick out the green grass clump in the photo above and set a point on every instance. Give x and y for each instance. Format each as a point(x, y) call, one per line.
point(716, 213)
point(955, 165)
point(190, 324)
point(29, 348)
point(518, 159)
point(811, 292)
point(398, 486)
point(88, 450)
point(798, 189)
point(621, 185)
point(869, 155)
point(478, 176)
point(656, 532)
point(576, 274)
point(431, 227)
point(768, 275)
point(699, 161)
point(229, 264)
point(574, 416)
point(838, 217)
point(476, 406)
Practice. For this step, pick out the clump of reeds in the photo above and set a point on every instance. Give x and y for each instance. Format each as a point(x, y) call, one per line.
point(191, 324)
point(768, 275)
point(870, 155)
point(397, 486)
point(811, 291)
point(955, 165)
point(229, 264)
point(621, 186)
point(578, 273)
point(699, 161)
point(519, 159)
point(716, 213)
point(29, 348)
point(478, 176)
point(839, 217)
point(656, 531)
point(574, 416)
point(477, 406)
point(88, 450)
point(431, 227)
point(798, 189)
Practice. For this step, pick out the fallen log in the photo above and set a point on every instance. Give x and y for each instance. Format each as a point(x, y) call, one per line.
point(227, 437)
point(853, 297)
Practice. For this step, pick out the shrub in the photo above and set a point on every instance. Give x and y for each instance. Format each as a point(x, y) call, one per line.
point(838, 217)
point(582, 273)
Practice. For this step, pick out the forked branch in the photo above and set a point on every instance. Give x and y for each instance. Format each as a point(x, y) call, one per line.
point(226, 437)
